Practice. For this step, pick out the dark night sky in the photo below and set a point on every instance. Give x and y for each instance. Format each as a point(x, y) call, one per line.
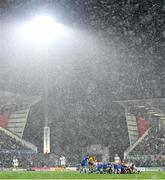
point(137, 25)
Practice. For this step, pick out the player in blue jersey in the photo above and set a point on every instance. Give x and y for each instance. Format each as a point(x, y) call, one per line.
point(110, 168)
point(117, 168)
point(84, 164)
point(101, 167)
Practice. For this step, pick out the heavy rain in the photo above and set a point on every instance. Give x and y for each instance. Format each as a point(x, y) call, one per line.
point(82, 78)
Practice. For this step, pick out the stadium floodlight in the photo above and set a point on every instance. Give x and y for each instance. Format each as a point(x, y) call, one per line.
point(42, 29)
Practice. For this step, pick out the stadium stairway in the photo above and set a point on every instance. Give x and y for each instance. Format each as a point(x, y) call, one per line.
point(17, 121)
point(132, 128)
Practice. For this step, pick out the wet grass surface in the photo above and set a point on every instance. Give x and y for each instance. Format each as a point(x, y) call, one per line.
point(77, 175)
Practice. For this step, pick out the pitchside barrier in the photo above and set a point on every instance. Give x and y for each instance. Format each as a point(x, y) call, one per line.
point(41, 169)
point(12, 169)
point(142, 169)
point(51, 169)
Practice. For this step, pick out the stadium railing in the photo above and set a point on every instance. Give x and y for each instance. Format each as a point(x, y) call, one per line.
point(23, 142)
point(135, 144)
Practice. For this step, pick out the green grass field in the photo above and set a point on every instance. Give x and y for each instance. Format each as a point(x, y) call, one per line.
point(76, 175)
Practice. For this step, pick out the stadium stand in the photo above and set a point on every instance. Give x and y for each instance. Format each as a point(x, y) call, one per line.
point(9, 142)
point(14, 109)
point(151, 145)
point(11, 145)
point(45, 160)
point(145, 122)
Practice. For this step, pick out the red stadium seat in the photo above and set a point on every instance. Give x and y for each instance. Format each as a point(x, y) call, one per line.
point(142, 124)
point(3, 119)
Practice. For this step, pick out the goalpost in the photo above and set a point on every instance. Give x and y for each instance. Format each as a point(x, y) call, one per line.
point(46, 140)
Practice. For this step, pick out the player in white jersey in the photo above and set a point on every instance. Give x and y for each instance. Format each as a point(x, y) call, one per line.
point(15, 162)
point(63, 161)
point(117, 159)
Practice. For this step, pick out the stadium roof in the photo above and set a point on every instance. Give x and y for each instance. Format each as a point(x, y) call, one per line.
point(154, 106)
point(142, 102)
point(13, 98)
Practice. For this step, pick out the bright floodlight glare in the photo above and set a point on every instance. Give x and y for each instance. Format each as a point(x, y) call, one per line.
point(42, 29)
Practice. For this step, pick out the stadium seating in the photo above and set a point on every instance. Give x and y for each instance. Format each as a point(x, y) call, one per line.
point(142, 125)
point(4, 120)
point(14, 109)
point(7, 137)
point(147, 116)
point(150, 145)
point(9, 143)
